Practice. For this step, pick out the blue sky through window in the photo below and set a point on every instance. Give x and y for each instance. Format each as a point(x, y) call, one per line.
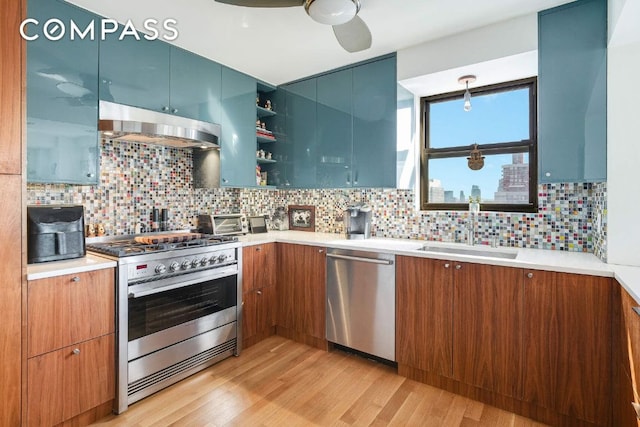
point(494, 118)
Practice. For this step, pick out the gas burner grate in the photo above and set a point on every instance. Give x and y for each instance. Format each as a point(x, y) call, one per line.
point(129, 247)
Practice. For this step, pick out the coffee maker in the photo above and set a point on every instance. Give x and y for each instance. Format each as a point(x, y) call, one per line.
point(357, 221)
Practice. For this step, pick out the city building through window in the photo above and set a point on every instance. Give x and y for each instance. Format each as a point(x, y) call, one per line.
point(486, 154)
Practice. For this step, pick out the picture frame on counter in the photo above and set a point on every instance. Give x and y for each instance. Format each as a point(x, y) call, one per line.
point(302, 217)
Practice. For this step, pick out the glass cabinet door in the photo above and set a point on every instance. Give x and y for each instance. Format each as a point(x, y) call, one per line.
point(374, 124)
point(195, 86)
point(334, 130)
point(62, 100)
point(238, 145)
point(572, 95)
point(135, 72)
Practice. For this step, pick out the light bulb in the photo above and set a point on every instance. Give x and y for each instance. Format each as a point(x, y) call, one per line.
point(467, 100)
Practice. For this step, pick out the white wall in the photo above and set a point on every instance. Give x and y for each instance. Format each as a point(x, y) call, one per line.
point(623, 134)
point(496, 41)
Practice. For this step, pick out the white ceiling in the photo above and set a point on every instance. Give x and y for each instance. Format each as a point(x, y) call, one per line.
point(279, 45)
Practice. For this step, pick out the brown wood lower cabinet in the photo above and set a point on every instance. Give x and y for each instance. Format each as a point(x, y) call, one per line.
point(532, 342)
point(301, 293)
point(626, 360)
point(424, 321)
point(568, 331)
point(487, 327)
point(259, 304)
point(70, 381)
point(71, 348)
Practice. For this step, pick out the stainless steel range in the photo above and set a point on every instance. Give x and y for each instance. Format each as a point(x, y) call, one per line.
point(178, 307)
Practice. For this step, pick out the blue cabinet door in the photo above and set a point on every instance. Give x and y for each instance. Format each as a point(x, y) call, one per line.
point(334, 130)
point(135, 72)
point(238, 118)
point(195, 86)
point(374, 124)
point(62, 100)
point(572, 55)
point(301, 132)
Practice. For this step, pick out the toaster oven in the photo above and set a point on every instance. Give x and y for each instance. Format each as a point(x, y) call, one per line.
point(223, 224)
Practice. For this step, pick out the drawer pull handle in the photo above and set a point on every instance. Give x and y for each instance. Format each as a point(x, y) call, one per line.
point(320, 251)
point(458, 267)
point(530, 275)
point(75, 279)
point(446, 265)
point(258, 248)
point(76, 351)
point(259, 292)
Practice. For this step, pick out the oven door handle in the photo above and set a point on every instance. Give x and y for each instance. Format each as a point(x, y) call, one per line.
point(146, 291)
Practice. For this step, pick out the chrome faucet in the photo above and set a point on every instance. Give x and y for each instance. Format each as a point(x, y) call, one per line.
point(474, 208)
point(471, 229)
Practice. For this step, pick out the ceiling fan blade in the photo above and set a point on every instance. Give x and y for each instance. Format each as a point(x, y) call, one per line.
point(263, 3)
point(353, 36)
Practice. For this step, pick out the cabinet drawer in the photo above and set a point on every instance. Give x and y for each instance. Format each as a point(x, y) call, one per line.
point(68, 309)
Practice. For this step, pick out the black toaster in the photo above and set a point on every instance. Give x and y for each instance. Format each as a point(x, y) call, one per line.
point(55, 232)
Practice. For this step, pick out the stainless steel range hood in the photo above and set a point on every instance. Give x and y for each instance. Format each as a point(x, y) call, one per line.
point(125, 123)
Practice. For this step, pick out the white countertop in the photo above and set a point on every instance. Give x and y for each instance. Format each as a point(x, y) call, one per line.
point(70, 266)
point(536, 259)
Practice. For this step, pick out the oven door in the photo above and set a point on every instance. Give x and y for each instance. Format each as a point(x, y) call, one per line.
point(168, 311)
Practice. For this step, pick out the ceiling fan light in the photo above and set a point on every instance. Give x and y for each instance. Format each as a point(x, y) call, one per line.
point(332, 12)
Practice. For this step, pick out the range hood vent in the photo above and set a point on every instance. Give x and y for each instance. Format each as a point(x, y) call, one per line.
point(123, 123)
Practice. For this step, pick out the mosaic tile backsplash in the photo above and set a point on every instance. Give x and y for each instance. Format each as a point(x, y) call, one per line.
point(135, 178)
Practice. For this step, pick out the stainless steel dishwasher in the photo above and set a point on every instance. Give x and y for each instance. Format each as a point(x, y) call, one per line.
point(361, 301)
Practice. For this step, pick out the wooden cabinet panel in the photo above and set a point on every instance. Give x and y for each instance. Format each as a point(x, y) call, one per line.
point(623, 413)
point(259, 291)
point(10, 289)
point(45, 387)
point(68, 309)
point(424, 307)
point(11, 76)
point(64, 383)
point(568, 334)
point(301, 289)
point(92, 305)
point(48, 314)
point(487, 327)
point(89, 375)
point(631, 334)
point(249, 320)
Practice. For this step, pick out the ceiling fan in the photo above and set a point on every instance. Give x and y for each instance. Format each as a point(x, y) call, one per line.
point(350, 30)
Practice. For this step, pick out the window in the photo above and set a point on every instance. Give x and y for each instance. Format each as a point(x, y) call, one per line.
point(503, 124)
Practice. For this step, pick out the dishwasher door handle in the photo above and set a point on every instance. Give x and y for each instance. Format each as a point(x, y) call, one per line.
point(355, 258)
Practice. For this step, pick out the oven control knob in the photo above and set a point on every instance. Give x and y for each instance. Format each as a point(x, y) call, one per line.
point(213, 259)
point(204, 261)
point(222, 258)
point(186, 264)
point(175, 265)
point(161, 268)
point(195, 262)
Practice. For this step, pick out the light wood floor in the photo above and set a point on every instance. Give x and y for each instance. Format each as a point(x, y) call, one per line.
point(279, 382)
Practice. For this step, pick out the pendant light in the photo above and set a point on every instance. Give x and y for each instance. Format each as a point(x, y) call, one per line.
point(465, 80)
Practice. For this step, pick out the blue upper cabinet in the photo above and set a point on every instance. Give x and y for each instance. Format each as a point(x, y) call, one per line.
point(341, 127)
point(195, 86)
point(334, 130)
point(160, 77)
point(238, 117)
point(572, 41)
point(135, 72)
point(62, 100)
point(300, 128)
point(374, 124)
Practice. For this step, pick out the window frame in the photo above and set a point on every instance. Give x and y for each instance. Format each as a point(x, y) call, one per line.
point(529, 146)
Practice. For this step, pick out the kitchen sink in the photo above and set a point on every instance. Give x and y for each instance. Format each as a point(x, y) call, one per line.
point(472, 252)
